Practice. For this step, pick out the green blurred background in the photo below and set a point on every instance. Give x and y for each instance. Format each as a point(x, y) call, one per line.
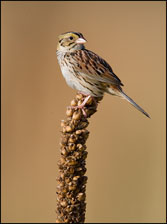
point(126, 150)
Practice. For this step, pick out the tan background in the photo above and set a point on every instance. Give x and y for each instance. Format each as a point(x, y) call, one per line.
point(126, 160)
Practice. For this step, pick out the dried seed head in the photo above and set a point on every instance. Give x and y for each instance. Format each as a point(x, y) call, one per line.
point(84, 179)
point(76, 115)
point(81, 147)
point(62, 160)
point(68, 209)
point(90, 112)
point(61, 184)
point(64, 129)
point(71, 170)
point(79, 96)
point(64, 190)
point(78, 132)
point(63, 203)
point(81, 196)
point(71, 146)
point(63, 123)
point(79, 168)
point(69, 112)
point(73, 201)
point(76, 178)
point(70, 183)
point(72, 163)
point(68, 129)
point(83, 124)
point(85, 155)
point(64, 140)
point(73, 138)
point(77, 155)
point(62, 175)
point(64, 152)
point(79, 102)
point(67, 180)
point(72, 188)
point(85, 132)
point(74, 102)
point(68, 195)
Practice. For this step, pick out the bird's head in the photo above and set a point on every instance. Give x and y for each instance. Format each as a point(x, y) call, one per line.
point(71, 41)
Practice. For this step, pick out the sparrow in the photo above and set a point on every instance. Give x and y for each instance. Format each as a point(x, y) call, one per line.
point(87, 72)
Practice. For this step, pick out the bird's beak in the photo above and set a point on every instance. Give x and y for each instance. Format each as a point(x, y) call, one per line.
point(80, 41)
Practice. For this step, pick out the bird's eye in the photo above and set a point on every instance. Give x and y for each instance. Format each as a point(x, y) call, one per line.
point(71, 38)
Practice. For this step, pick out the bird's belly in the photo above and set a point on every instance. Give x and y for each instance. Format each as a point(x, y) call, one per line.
point(69, 77)
point(81, 83)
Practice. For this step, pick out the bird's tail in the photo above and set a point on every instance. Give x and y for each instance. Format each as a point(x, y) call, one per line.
point(124, 96)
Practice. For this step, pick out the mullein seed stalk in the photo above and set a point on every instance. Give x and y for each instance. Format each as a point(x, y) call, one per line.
point(71, 189)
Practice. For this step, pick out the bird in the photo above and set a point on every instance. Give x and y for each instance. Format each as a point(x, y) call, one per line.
point(87, 72)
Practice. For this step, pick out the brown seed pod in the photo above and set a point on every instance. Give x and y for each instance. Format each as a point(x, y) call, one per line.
point(75, 178)
point(76, 115)
point(79, 96)
point(74, 102)
point(72, 188)
point(71, 170)
point(64, 140)
point(68, 129)
point(82, 124)
point(71, 147)
point(64, 190)
point(62, 160)
point(81, 196)
point(62, 175)
point(78, 132)
point(63, 123)
point(63, 203)
point(73, 138)
point(81, 147)
point(64, 152)
point(73, 201)
point(67, 180)
point(72, 163)
point(69, 112)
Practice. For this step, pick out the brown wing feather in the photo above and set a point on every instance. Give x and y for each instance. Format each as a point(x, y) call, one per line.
point(94, 67)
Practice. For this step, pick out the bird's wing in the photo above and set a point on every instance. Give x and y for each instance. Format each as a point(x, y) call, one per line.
point(92, 66)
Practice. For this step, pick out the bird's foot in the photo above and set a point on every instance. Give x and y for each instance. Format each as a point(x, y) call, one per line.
point(82, 106)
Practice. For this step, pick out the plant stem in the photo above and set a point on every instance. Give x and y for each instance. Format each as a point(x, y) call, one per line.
point(71, 189)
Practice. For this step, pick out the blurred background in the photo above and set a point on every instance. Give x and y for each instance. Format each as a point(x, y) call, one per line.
point(126, 150)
